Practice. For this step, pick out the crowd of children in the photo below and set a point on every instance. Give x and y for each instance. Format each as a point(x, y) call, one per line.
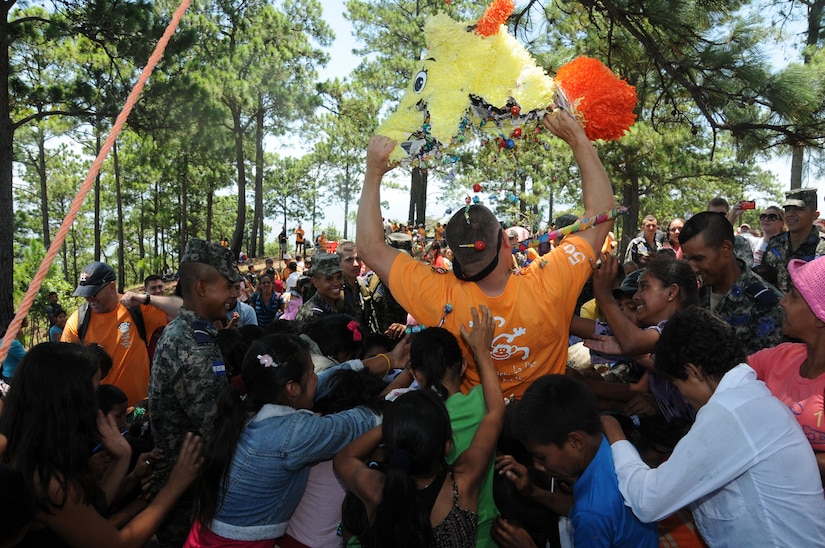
point(464, 432)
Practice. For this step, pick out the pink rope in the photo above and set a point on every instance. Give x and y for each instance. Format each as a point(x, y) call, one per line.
point(60, 236)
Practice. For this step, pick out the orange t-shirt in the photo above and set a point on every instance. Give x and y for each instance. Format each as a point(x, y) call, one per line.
point(116, 333)
point(532, 315)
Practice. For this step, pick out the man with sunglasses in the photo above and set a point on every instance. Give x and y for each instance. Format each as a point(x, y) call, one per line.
point(533, 309)
point(802, 241)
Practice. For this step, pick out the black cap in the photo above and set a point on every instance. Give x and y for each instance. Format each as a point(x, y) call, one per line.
point(630, 285)
point(94, 277)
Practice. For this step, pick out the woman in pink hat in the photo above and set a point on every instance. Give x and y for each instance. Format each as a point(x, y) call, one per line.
point(795, 372)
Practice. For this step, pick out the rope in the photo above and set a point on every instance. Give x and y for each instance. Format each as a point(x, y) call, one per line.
point(60, 236)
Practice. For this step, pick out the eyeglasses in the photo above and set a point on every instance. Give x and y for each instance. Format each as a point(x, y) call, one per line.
point(675, 229)
point(769, 217)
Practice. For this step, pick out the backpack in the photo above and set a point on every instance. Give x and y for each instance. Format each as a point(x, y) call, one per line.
point(368, 295)
point(83, 319)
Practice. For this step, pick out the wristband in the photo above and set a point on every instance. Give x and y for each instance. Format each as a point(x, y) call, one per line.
point(389, 364)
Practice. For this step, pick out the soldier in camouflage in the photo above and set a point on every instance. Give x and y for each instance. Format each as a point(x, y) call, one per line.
point(802, 241)
point(188, 370)
point(328, 280)
point(744, 300)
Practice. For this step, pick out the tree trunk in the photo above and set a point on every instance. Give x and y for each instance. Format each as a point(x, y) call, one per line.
point(184, 205)
point(418, 196)
point(256, 246)
point(44, 190)
point(121, 244)
point(97, 193)
point(6, 160)
point(630, 223)
point(346, 198)
point(240, 222)
point(797, 159)
point(141, 245)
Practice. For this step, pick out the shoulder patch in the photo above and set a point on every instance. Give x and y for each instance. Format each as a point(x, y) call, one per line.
point(763, 296)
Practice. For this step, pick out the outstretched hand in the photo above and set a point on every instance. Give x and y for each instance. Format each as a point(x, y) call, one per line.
point(480, 336)
point(188, 463)
point(563, 125)
point(604, 274)
point(378, 154)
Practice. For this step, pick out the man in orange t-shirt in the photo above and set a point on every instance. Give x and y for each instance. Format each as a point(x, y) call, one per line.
point(112, 326)
point(532, 310)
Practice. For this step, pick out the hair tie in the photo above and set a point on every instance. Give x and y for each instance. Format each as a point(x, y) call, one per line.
point(356, 334)
point(266, 360)
point(239, 384)
point(401, 459)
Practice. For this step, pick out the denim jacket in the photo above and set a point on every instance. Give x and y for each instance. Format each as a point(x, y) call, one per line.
point(271, 465)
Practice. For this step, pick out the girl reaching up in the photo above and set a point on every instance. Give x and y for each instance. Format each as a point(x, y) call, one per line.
point(418, 436)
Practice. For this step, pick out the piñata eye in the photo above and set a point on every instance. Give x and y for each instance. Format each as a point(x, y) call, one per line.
point(420, 81)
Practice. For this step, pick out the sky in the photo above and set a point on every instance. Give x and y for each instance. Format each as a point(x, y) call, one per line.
point(343, 61)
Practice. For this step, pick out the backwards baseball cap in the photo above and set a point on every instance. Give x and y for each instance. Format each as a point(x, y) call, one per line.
point(94, 277)
point(801, 197)
point(809, 279)
point(326, 264)
point(630, 284)
point(222, 258)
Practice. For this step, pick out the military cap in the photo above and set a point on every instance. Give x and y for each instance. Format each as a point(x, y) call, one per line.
point(801, 197)
point(326, 264)
point(94, 277)
point(201, 251)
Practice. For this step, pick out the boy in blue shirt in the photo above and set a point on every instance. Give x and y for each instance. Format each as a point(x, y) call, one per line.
point(558, 422)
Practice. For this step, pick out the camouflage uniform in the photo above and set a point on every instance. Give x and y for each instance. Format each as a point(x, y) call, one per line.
point(187, 376)
point(188, 373)
point(743, 251)
point(778, 254)
point(316, 307)
point(751, 308)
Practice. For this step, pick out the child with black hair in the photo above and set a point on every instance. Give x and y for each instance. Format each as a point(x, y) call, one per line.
point(418, 436)
point(558, 422)
point(122, 495)
point(314, 523)
point(436, 363)
point(51, 420)
point(16, 506)
point(263, 444)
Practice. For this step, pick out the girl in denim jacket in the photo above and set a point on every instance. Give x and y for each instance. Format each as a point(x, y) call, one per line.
point(264, 441)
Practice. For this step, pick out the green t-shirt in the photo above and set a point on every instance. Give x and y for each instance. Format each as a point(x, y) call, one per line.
point(466, 412)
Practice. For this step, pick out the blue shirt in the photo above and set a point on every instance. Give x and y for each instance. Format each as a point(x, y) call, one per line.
point(16, 353)
point(246, 313)
point(599, 516)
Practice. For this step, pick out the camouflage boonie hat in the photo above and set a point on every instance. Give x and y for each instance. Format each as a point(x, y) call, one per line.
point(326, 264)
point(801, 197)
point(201, 251)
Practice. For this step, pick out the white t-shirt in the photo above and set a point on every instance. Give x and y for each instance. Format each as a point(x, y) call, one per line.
point(745, 468)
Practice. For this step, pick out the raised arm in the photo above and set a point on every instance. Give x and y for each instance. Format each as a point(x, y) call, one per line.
point(475, 459)
point(364, 482)
point(372, 248)
point(168, 303)
point(596, 187)
point(633, 340)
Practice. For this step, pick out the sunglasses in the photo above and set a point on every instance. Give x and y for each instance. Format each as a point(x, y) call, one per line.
point(769, 217)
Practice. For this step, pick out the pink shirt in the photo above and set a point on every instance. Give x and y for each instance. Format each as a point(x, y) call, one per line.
point(778, 367)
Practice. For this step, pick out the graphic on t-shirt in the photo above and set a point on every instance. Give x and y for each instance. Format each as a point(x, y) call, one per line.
point(502, 347)
point(125, 329)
